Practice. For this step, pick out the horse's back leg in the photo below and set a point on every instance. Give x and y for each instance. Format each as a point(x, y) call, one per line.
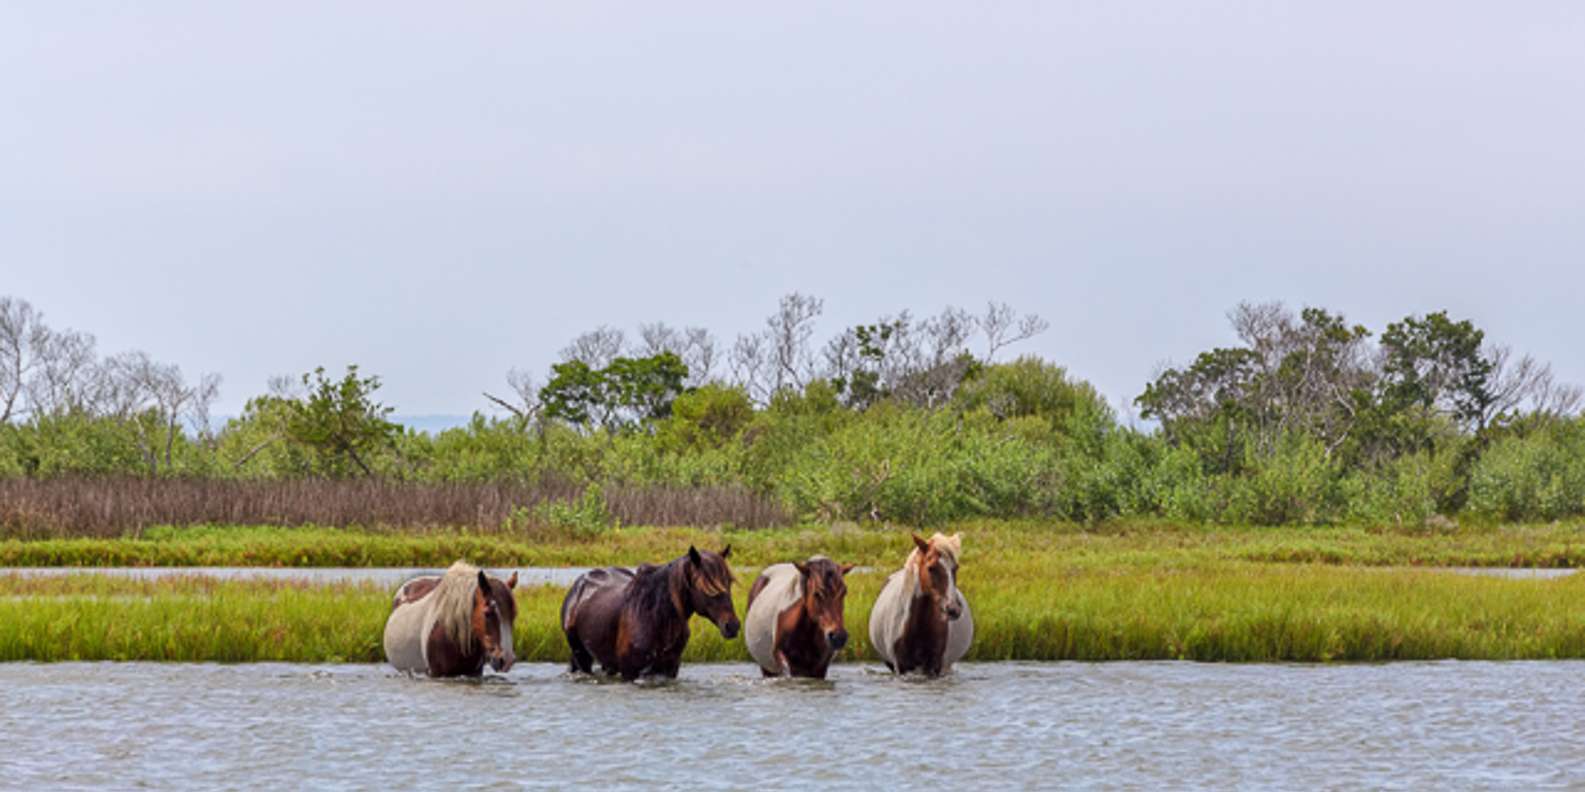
point(582, 661)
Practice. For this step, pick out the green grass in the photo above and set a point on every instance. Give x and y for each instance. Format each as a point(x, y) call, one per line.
point(1038, 591)
point(1224, 611)
point(1058, 546)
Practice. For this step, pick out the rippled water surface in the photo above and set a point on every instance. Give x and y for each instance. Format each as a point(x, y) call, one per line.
point(103, 725)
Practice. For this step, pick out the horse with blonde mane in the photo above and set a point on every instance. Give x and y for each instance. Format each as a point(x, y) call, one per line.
point(794, 622)
point(452, 624)
point(921, 621)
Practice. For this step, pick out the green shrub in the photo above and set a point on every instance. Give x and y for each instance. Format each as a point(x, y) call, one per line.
point(1294, 483)
point(584, 518)
point(1539, 476)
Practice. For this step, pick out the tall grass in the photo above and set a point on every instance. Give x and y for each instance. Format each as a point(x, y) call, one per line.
point(1055, 546)
point(1234, 612)
point(118, 505)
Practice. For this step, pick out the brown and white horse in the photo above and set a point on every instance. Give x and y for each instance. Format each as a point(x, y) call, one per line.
point(635, 622)
point(452, 624)
point(921, 621)
point(793, 626)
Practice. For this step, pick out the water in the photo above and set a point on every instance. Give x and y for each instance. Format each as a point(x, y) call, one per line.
point(383, 576)
point(1114, 725)
point(390, 577)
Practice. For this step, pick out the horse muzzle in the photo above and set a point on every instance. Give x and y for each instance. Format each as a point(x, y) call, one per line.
point(502, 663)
point(952, 612)
point(729, 629)
point(837, 638)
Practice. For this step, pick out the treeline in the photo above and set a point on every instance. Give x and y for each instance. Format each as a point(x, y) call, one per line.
point(1308, 419)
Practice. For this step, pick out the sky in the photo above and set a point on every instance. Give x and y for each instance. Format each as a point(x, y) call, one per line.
point(442, 193)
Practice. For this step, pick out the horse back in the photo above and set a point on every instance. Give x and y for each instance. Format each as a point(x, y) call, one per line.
point(774, 592)
point(414, 590)
point(404, 639)
point(591, 585)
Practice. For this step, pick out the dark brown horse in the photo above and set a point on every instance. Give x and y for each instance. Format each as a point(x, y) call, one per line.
point(452, 624)
point(794, 622)
point(635, 622)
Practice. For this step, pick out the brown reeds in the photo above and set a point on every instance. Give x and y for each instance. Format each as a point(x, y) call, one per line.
point(123, 505)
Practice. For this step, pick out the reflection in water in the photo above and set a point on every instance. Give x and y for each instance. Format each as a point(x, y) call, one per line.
point(722, 726)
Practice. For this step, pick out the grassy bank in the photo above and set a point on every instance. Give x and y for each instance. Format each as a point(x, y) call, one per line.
point(1221, 611)
point(1053, 547)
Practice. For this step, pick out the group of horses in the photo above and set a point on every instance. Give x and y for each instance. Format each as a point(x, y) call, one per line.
point(634, 622)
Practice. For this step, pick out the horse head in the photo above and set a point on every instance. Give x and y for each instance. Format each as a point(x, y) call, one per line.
point(494, 611)
point(709, 582)
point(824, 592)
point(937, 561)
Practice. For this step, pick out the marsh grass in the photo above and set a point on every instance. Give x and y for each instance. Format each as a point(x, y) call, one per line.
point(114, 506)
point(1053, 547)
point(1214, 611)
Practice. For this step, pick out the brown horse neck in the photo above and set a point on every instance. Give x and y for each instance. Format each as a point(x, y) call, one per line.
point(923, 643)
point(662, 591)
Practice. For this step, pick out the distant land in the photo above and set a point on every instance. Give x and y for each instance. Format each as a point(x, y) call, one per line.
point(422, 423)
point(431, 423)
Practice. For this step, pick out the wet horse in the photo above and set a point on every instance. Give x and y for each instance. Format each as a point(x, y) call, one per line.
point(921, 621)
point(635, 622)
point(793, 626)
point(452, 624)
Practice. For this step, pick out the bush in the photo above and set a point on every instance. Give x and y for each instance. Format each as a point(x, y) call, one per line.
point(1294, 483)
point(585, 517)
point(1539, 476)
point(1404, 491)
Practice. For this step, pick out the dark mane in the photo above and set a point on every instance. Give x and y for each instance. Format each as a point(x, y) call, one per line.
point(651, 586)
point(635, 622)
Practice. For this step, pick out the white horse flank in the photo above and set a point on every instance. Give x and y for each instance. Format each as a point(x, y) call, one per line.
point(434, 621)
point(921, 621)
point(782, 590)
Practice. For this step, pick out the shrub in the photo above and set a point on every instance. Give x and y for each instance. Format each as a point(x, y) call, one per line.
point(1539, 476)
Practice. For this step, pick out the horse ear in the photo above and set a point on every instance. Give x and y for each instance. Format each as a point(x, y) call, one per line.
point(924, 547)
point(846, 568)
point(693, 555)
point(803, 569)
point(484, 584)
point(726, 552)
point(511, 582)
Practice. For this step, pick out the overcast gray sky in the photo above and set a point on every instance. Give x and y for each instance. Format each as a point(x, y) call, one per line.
point(442, 192)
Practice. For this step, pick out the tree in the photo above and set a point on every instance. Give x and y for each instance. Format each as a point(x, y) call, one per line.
point(628, 392)
point(1436, 363)
point(596, 348)
point(1308, 374)
point(1002, 327)
point(778, 358)
point(24, 340)
point(340, 420)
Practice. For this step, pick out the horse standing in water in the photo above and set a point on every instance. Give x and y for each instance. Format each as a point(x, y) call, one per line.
point(921, 621)
point(793, 626)
point(635, 622)
point(452, 624)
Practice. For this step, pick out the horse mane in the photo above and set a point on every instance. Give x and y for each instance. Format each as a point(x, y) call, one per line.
point(948, 546)
point(655, 586)
point(651, 586)
point(454, 604)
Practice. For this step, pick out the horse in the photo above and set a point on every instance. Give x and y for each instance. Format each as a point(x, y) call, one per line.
point(635, 622)
point(921, 621)
point(452, 624)
point(793, 626)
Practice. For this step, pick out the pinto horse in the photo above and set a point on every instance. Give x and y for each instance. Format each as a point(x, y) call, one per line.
point(635, 622)
point(452, 624)
point(793, 626)
point(921, 621)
